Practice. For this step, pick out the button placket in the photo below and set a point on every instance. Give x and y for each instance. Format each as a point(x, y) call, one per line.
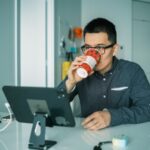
point(105, 87)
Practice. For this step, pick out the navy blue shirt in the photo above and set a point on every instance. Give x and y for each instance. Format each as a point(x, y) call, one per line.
point(124, 91)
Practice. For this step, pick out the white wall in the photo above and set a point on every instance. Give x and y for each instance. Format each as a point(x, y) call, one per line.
point(119, 12)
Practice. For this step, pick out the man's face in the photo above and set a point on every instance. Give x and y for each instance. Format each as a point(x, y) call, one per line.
point(101, 39)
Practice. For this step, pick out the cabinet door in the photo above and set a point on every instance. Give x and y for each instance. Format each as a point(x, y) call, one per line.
point(7, 47)
point(37, 42)
point(32, 43)
point(141, 35)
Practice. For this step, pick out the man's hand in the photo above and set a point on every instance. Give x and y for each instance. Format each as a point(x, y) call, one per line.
point(97, 120)
point(73, 78)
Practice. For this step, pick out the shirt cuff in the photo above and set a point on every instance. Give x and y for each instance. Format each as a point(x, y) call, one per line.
point(116, 118)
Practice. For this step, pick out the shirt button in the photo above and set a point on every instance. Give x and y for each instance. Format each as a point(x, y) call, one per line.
point(63, 95)
point(110, 73)
point(104, 96)
point(62, 89)
point(104, 79)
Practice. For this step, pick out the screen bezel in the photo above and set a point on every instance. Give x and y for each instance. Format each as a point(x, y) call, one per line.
point(59, 110)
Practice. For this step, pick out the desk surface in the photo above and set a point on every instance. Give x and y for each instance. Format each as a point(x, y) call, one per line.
point(16, 137)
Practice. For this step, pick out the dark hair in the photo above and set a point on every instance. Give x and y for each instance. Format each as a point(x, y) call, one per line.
point(102, 25)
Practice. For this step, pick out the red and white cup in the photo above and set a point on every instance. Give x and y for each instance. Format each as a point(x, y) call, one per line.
point(92, 59)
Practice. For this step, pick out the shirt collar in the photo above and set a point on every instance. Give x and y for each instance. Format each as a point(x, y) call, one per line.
point(114, 64)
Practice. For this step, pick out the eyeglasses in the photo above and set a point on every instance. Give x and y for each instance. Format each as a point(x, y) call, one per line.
point(99, 48)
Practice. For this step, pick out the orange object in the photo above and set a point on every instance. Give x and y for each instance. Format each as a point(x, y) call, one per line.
point(77, 32)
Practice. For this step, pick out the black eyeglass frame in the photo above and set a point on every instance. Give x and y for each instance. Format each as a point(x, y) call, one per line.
point(97, 48)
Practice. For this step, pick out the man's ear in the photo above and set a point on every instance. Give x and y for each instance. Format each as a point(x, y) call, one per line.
point(116, 48)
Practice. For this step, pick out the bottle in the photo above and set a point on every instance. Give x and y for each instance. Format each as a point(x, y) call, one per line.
point(92, 59)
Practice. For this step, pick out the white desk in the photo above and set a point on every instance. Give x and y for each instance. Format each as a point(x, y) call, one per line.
point(16, 137)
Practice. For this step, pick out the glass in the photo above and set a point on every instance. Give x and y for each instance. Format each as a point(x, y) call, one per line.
point(98, 48)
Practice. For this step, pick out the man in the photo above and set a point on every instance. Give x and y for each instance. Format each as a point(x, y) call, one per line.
point(117, 91)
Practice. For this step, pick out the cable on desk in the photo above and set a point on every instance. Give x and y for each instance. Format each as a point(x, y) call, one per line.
point(98, 147)
point(10, 119)
point(120, 142)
